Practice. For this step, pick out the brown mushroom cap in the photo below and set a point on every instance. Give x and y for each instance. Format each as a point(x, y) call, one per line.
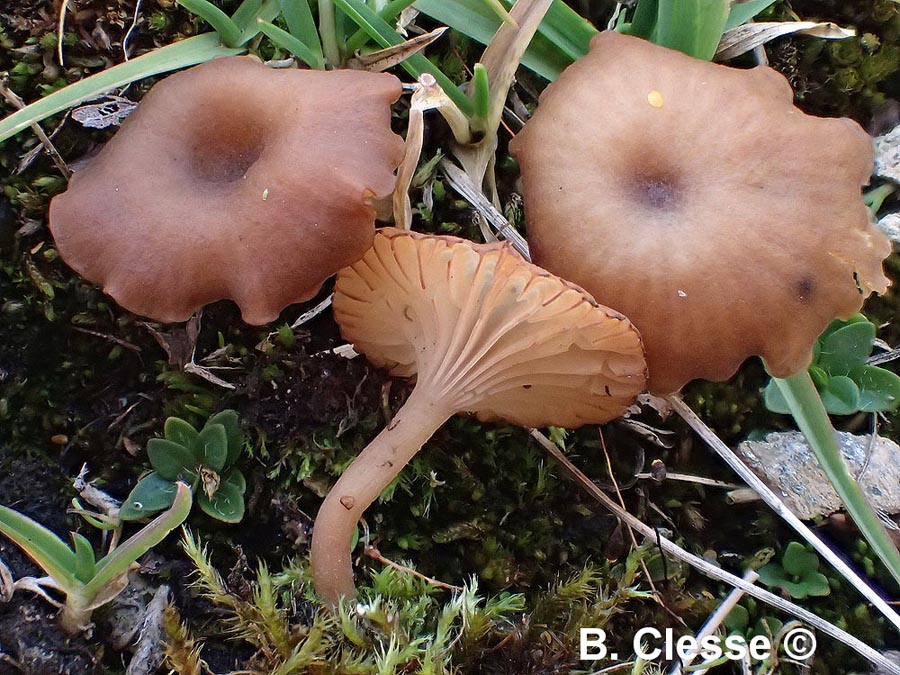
point(698, 201)
point(484, 332)
point(488, 332)
point(233, 180)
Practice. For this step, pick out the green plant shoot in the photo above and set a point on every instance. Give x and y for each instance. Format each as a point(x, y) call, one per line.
point(204, 459)
point(797, 574)
point(839, 369)
point(88, 583)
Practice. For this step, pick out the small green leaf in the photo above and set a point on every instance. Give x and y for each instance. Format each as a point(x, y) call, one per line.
point(226, 505)
point(229, 420)
point(846, 348)
point(302, 26)
point(354, 540)
point(179, 431)
point(819, 376)
point(797, 561)
point(879, 389)
point(774, 400)
point(481, 95)
point(815, 585)
point(236, 479)
point(768, 626)
point(152, 493)
point(170, 459)
point(211, 447)
point(840, 396)
point(85, 561)
point(738, 618)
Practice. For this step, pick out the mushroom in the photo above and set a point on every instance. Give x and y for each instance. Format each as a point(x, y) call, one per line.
point(233, 180)
point(485, 333)
point(698, 201)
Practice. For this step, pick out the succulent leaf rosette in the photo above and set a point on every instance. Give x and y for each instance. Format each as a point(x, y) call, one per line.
point(204, 459)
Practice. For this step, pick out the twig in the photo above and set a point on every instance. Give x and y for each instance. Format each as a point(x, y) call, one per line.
point(688, 478)
point(13, 99)
point(713, 622)
point(61, 32)
point(111, 338)
point(777, 505)
point(884, 357)
point(711, 570)
point(131, 28)
point(460, 182)
point(375, 554)
point(612, 477)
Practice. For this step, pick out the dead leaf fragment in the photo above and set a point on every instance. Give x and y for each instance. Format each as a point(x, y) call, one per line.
point(743, 39)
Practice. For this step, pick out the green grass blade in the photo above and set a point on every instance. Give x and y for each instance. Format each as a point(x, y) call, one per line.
point(643, 22)
point(328, 31)
point(226, 28)
point(117, 563)
point(500, 11)
point(693, 27)
point(742, 12)
point(812, 419)
point(481, 94)
point(250, 29)
point(380, 31)
point(50, 552)
point(301, 24)
point(567, 30)
point(245, 15)
point(562, 37)
point(182, 54)
point(85, 561)
point(288, 42)
point(389, 13)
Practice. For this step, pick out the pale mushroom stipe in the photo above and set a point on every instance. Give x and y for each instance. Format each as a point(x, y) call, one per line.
point(260, 186)
point(485, 333)
point(697, 200)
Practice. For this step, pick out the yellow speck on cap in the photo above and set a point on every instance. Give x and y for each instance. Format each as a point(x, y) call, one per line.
point(655, 99)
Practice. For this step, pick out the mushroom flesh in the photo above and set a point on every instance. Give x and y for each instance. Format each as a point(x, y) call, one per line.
point(697, 200)
point(233, 180)
point(485, 333)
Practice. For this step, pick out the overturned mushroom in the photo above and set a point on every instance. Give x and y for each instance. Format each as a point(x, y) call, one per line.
point(697, 200)
point(233, 180)
point(485, 333)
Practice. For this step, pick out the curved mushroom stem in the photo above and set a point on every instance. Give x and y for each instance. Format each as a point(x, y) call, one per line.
point(360, 485)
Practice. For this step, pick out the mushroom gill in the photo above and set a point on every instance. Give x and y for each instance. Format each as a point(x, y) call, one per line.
point(233, 180)
point(698, 201)
point(485, 333)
